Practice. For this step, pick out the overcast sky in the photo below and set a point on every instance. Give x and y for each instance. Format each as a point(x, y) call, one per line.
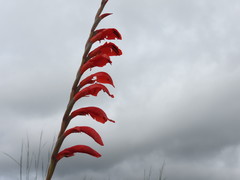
point(176, 97)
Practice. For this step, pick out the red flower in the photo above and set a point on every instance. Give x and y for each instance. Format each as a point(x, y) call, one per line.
point(92, 90)
point(91, 58)
point(101, 77)
point(95, 112)
point(108, 48)
point(97, 61)
point(68, 152)
point(109, 34)
point(87, 130)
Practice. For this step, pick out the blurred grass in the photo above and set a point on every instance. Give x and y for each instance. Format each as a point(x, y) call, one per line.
point(33, 162)
point(148, 175)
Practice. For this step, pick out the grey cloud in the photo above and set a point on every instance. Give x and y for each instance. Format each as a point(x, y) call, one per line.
point(176, 86)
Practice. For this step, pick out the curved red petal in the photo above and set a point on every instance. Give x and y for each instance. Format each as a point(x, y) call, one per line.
point(109, 34)
point(92, 90)
point(68, 152)
point(87, 130)
point(101, 77)
point(108, 48)
point(95, 112)
point(104, 15)
point(97, 61)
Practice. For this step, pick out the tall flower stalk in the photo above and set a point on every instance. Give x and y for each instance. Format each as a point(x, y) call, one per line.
point(91, 85)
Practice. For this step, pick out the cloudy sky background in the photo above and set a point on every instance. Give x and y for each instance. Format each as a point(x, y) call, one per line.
point(176, 97)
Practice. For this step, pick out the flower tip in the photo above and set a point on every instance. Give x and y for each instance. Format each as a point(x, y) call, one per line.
point(111, 120)
point(105, 15)
point(101, 143)
point(98, 156)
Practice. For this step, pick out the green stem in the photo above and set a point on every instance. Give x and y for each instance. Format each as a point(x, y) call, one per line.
point(75, 89)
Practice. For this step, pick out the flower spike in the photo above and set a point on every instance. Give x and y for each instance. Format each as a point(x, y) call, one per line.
point(91, 58)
